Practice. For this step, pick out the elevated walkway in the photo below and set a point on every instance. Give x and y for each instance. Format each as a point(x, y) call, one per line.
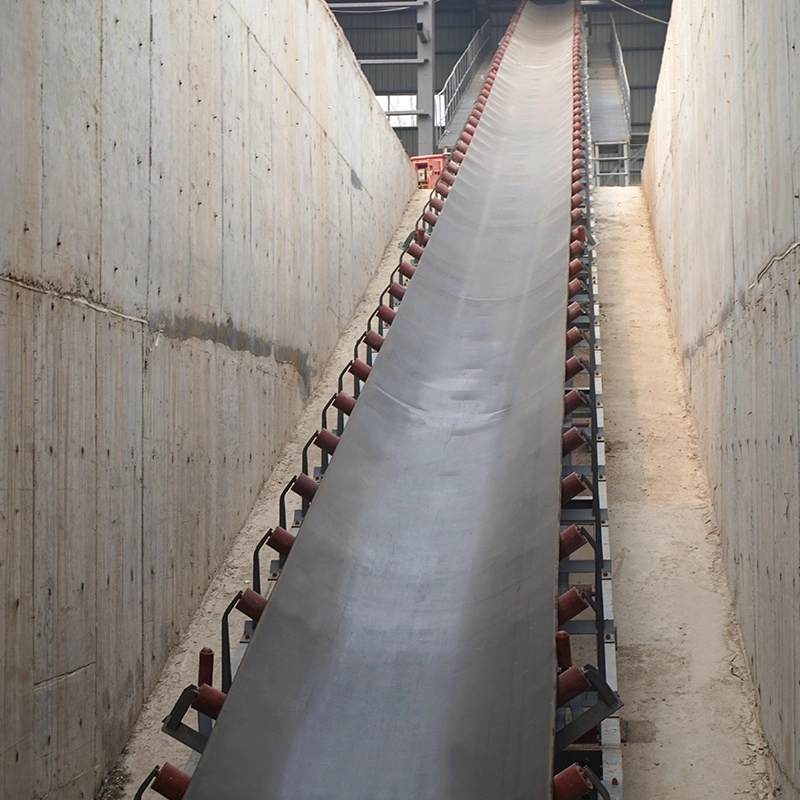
point(454, 126)
point(609, 106)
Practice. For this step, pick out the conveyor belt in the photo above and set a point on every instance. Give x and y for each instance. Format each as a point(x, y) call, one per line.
point(408, 649)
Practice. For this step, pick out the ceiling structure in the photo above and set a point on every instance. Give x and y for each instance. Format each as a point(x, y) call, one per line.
point(408, 49)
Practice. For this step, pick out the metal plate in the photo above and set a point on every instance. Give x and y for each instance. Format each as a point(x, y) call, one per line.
point(408, 648)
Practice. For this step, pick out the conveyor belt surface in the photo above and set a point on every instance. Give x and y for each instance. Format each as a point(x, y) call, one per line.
point(408, 648)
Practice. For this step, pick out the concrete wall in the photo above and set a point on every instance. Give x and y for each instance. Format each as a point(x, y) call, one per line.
point(194, 195)
point(722, 178)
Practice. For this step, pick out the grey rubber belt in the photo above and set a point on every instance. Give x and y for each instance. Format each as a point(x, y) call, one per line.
point(408, 648)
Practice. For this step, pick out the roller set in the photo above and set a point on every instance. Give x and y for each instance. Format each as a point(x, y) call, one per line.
point(410, 648)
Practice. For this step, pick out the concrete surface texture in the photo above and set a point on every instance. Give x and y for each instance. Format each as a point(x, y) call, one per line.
point(689, 720)
point(194, 198)
point(722, 179)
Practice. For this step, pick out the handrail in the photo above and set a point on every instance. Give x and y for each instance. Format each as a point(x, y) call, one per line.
point(461, 75)
point(619, 62)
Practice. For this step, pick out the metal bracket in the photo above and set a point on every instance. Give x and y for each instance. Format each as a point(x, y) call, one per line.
point(598, 784)
point(608, 703)
point(146, 782)
point(175, 727)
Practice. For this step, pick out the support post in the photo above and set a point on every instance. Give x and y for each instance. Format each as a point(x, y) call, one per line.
point(426, 73)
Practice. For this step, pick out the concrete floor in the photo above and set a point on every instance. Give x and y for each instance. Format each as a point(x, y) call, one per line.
point(689, 702)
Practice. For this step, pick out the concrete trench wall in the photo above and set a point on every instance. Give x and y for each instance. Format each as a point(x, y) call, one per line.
point(194, 195)
point(722, 178)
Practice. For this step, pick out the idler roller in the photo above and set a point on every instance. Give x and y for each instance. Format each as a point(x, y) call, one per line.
point(171, 782)
point(252, 604)
point(575, 266)
point(570, 541)
point(344, 402)
point(360, 369)
point(576, 247)
point(422, 236)
point(374, 341)
point(209, 701)
point(397, 291)
point(575, 310)
point(448, 177)
point(436, 203)
point(570, 604)
point(574, 337)
point(572, 367)
point(304, 486)
point(327, 442)
point(563, 650)
point(576, 286)
point(571, 683)
point(415, 249)
point(280, 539)
point(572, 440)
point(577, 214)
point(443, 189)
point(572, 486)
point(386, 314)
point(573, 400)
point(407, 270)
point(571, 783)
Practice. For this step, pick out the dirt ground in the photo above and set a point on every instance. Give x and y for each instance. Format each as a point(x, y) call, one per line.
point(691, 723)
point(148, 746)
point(689, 713)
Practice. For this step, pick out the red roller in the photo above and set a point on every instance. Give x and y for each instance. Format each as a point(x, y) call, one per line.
point(577, 214)
point(457, 156)
point(471, 128)
point(397, 291)
point(573, 400)
point(436, 203)
point(374, 340)
point(574, 337)
point(571, 783)
point(422, 236)
point(252, 604)
point(453, 166)
point(578, 200)
point(575, 266)
point(386, 314)
point(209, 701)
point(570, 604)
point(205, 667)
point(415, 249)
point(563, 650)
point(475, 118)
point(345, 403)
point(461, 147)
point(443, 189)
point(171, 782)
point(465, 137)
point(579, 233)
point(578, 163)
point(304, 486)
point(576, 248)
point(572, 367)
point(280, 539)
point(570, 541)
point(569, 684)
point(429, 218)
point(576, 286)
point(571, 441)
point(327, 442)
point(360, 369)
point(572, 486)
point(575, 310)
point(407, 270)
point(448, 177)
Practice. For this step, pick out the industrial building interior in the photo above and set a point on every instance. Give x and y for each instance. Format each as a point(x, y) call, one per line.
point(305, 493)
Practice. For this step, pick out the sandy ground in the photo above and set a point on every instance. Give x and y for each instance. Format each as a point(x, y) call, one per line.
point(148, 746)
point(691, 723)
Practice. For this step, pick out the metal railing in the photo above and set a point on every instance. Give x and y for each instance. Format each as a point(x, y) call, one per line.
point(456, 84)
point(619, 63)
